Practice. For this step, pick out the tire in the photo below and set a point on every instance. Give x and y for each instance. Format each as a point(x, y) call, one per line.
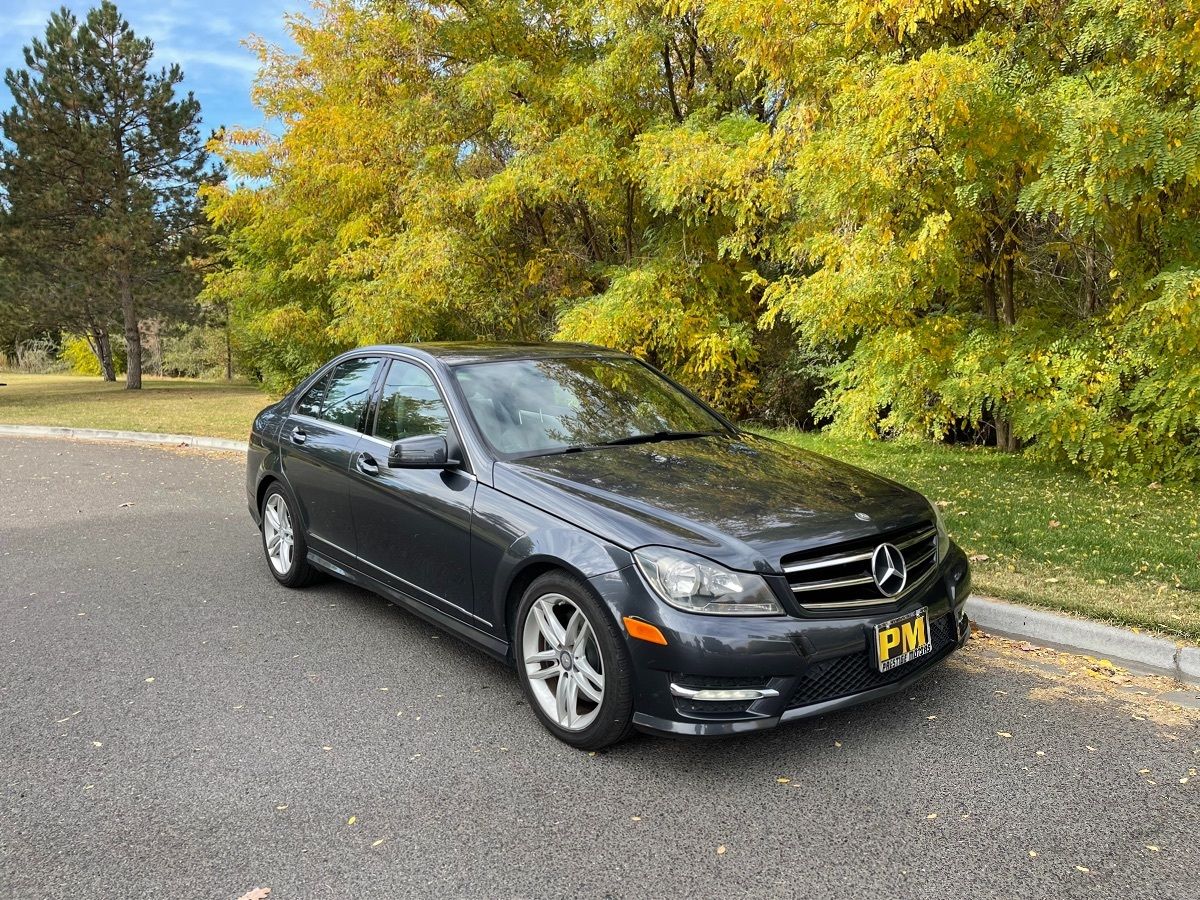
point(590, 653)
point(290, 568)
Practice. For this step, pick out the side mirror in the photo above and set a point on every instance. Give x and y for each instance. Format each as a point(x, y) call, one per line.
point(427, 451)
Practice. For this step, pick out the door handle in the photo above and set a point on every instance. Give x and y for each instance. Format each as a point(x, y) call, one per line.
point(298, 435)
point(367, 465)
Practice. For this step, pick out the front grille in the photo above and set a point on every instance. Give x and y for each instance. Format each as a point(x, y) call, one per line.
point(854, 673)
point(826, 580)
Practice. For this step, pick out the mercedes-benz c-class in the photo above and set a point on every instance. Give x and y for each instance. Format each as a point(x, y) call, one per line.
point(641, 561)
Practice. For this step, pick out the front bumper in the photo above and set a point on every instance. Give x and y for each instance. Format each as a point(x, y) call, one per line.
point(811, 665)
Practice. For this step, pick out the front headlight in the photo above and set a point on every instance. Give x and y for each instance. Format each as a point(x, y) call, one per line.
point(943, 537)
point(695, 584)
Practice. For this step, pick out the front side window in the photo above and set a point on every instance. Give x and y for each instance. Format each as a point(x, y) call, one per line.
point(349, 392)
point(410, 404)
point(531, 406)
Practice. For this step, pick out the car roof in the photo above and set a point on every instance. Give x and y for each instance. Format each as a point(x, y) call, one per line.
point(454, 353)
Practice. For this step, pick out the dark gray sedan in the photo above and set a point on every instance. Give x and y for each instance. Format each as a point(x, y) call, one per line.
point(641, 561)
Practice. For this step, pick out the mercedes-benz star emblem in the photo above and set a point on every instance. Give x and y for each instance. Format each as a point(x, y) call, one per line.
point(888, 569)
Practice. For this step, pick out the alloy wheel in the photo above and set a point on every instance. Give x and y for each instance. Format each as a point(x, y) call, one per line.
point(563, 662)
point(277, 534)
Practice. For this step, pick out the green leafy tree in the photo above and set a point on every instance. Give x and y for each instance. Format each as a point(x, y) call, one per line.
point(960, 219)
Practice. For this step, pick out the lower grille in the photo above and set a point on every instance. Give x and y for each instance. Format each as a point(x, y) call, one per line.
point(854, 673)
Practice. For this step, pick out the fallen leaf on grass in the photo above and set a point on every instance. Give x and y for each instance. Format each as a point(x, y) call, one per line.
point(979, 557)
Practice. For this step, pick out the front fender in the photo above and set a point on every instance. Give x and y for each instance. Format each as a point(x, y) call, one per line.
point(513, 541)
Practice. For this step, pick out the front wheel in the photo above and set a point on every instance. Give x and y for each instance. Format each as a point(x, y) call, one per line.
point(573, 663)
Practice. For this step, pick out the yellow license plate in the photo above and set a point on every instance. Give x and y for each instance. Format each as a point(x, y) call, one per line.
point(902, 639)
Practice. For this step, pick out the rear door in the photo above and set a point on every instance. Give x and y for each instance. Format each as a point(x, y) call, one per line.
point(413, 526)
point(317, 443)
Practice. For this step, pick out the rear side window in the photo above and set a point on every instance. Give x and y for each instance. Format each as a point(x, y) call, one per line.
point(410, 404)
point(349, 392)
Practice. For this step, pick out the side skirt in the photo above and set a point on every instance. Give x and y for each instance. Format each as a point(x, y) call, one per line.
point(491, 645)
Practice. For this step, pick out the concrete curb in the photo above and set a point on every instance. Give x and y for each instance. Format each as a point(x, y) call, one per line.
point(1120, 645)
point(137, 437)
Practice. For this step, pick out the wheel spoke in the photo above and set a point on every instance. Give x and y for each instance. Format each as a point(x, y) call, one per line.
point(273, 542)
point(575, 627)
point(548, 672)
point(272, 516)
point(541, 656)
point(285, 556)
point(566, 696)
point(584, 686)
point(550, 627)
point(594, 679)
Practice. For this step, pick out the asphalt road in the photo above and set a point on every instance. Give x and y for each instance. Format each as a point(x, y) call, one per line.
point(174, 724)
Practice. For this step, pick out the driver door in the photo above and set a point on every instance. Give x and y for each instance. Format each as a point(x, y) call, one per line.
point(413, 526)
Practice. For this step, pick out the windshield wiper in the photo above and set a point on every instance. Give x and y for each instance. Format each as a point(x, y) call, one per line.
point(656, 436)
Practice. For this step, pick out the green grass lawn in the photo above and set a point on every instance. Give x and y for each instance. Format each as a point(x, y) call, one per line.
point(1127, 554)
point(175, 405)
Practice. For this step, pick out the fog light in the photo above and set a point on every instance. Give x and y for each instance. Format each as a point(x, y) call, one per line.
point(719, 694)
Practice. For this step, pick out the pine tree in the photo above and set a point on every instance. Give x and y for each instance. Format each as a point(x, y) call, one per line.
point(101, 174)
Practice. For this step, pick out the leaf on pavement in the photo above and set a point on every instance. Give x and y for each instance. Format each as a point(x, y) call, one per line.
point(255, 894)
point(1004, 734)
point(783, 780)
point(721, 850)
point(352, 820)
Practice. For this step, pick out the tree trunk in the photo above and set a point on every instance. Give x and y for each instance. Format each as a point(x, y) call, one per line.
point(133, 336)
point(103, 348)
point(1009, 305)
point(228, 349)
point(1005, 441)
point(1090, 301)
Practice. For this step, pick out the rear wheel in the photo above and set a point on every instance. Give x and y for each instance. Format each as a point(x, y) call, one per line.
point(283, 540)
point(573, 663)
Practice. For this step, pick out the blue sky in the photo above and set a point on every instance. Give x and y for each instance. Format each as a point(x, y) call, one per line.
point(203, 36)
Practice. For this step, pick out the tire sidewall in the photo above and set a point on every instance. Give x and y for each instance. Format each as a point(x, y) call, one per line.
point(614, 720)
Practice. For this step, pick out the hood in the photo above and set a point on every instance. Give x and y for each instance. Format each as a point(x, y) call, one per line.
point(741, 500)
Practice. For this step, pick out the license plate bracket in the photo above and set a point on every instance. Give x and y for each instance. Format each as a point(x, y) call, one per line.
point(901, 640)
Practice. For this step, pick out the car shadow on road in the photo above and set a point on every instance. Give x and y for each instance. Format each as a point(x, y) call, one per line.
point(874, 728)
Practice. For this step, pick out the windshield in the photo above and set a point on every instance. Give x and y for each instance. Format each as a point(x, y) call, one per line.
point(532, 406)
